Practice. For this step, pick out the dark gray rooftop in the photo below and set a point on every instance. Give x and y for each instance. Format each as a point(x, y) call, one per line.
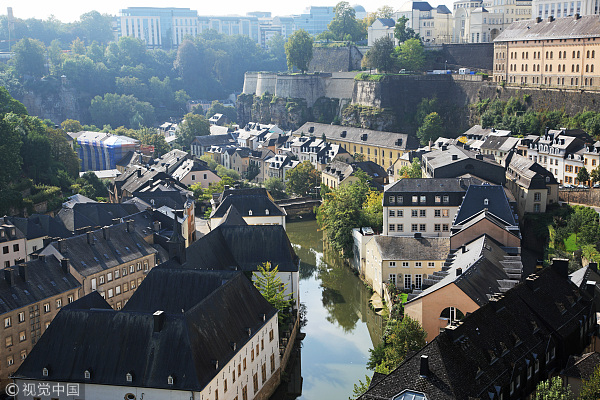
point(490, 197)
point(559, 28)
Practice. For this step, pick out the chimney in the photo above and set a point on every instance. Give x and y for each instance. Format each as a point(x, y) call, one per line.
point(538, 20)
point(139, 173)
point(561, 266)
point(159, 320)
point(9, 276)
point(590, 288)
point(106, 232)
point(458, 271)
point(64, 264)
point(90, 237)
point(156, 226)
point(576, 16)
point(424, 369)
point(23, 272)
point(62, 246)
point(418, 235)
point(593, 266)
point(129, 225)
point(454, 157)
point(463, 249)
point(42, 258)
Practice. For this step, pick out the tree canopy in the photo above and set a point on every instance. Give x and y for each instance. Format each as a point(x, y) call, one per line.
point(303, 178)
point(380, 55)
point(193, 125)
point(344, 25)
point(299, 50)
point(402, 32)
point(431, 129)
point(270, 286)
point(411, 55)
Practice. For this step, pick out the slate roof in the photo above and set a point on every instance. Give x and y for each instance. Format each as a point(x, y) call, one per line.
point(582, 367)
point(528, 173)
point(410, 248)
point(83, 215)
point(481, 356)
point(490, 197)
point(456, 160)
point(212, 140)
point(431, 188)
point(483, 273)
point(390, 140)
point(33, 282)
point(389, 22)
point(241, 247)
point(184, 347)
point(233, 217)
point(559, 28)
point(256, 200)
point(40, 225)
point(500, 143)
point(172, 198)
point(77, 199)
point(91, 252)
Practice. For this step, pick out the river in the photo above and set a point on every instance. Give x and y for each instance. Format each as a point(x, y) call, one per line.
point(340, 326)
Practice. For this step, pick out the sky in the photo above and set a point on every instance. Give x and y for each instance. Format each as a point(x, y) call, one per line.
point(69, 11)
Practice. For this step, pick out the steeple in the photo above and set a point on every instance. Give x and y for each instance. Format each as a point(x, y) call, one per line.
point(177, 241)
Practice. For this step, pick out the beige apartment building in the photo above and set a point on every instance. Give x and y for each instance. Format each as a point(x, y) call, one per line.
point(31, 294)
point(113, 261)
point(557, 53)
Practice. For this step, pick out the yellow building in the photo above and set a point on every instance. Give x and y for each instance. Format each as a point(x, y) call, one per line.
point(383, 148)
point(550, 52)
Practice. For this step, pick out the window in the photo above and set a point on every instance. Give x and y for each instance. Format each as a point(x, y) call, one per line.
point(139, 266)
point(392, 213)
point(404, 264)
point(21, 317)
point(124, 271)
point(239, 369)
point(244, 363)
point(264, 373)
point(132, 285)
point(431, 264)
point(400, 200)
point(272, 363)
point(7, 322)
point(415, 199)
point(529, 371)
point(422, 213)
point(438, 199)
point(407, 281)
point(445, 228)
point(414, 227)
point(414, 213)
point(10, 361)
point(393, 264)
point(392, 279)
point(23, 355)
point(101, 280)
point(445, 213)
point(22, 336)
point(245, 393)
point(131, 269)
point(437, 227)
point(437, 213)
point(271, 336)
point(400, 227)
point(418, 264)
point(392, 227)
point(392, 199)
point(117, 273)
point(233, 375)
point(16, 247)
point(5, 250)
point(110, 293)
point(418, 281)
point(8, 341)
point(422, 227)
point(446, 199)
point(536, 208)
point(262, 344)
point(58, 303)
point(537, 365)
point(400, 213)
point(423, 199)
point(117, 290)
point(125, 287)
point(47, 307)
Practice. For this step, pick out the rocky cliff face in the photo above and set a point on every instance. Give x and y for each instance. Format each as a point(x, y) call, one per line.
point(268, 109)
point(55, 105)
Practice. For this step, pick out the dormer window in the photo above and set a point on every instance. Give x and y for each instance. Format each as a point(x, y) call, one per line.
point(249, 212)
point(486, 202)
point(129, 377)
point(266, 212)
point(44, 371)
point(87, 374)
point(170, 380)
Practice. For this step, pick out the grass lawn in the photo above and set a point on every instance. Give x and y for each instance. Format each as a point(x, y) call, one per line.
point(571, 243)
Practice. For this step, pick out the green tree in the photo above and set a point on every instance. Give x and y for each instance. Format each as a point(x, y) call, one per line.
point(193, 125)
point(9, 105)
point(78, 47)
point(380, 55)
point(344, 25)
point(90, 186)
point(222, 171)
point(372, 210)
point(431, 129)
point(583, 175)
point(382, 12)
point(360, 388)
point(595, 175)
point(299, 50)
point(412, 171)
point(402, 33)
point(55, 56)
point(95, 27)
point(583, 222)
point(218, 108)
point(411, 55)
point(71, 125)
point(400, 338)
point(424, 108)
point(303, 178)
point(210, 162)
point(590, 388)
point(121, 110)
point(552, 389)
point(253, 171)
point(10, 148)
point(29, 57)
point(276, 187)
point(270, 286)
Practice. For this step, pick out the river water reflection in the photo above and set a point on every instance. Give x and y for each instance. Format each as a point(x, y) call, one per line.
point(340, 325)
